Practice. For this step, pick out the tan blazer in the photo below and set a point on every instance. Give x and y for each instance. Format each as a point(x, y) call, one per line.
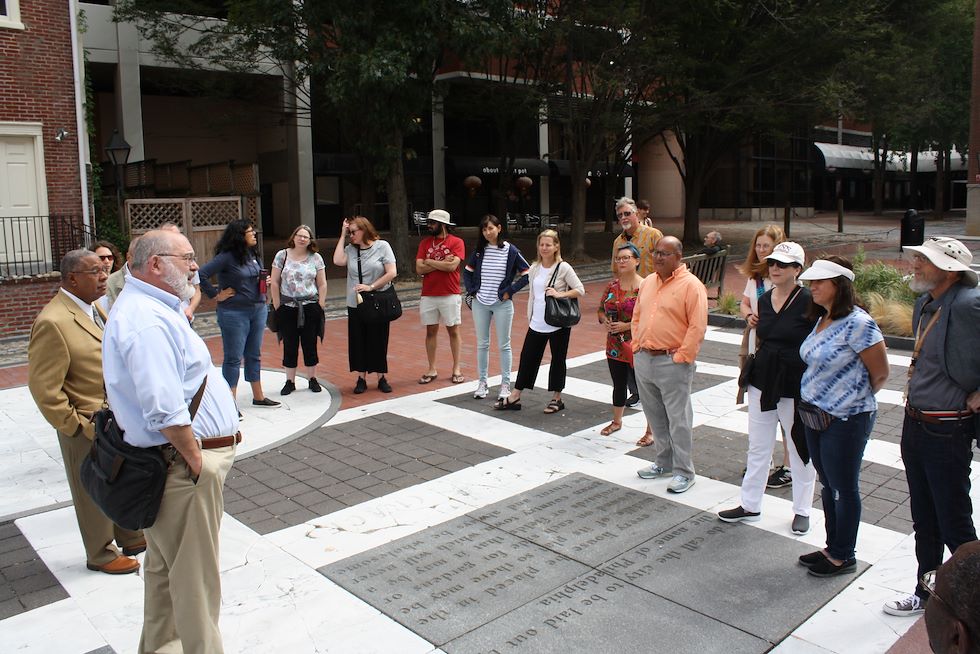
point(65, 366)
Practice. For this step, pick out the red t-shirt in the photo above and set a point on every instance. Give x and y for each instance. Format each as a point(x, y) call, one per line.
point(438, 282)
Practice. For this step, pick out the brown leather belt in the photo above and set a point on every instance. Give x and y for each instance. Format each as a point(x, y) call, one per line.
point(938, 417)
point(657, 353)
point(213, 443)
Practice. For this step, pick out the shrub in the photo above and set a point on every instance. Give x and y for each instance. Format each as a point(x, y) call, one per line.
point(728, 303)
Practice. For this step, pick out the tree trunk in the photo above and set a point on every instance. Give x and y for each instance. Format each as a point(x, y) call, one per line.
point(913, 202)
point(398, 214)
point(693, 185)
point(575, 249)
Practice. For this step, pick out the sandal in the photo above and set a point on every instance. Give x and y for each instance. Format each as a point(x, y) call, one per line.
point(611, 428)
point(554, 406)
point(427, 378)
point(647, 439)
point(506, 405)
point(458, 379)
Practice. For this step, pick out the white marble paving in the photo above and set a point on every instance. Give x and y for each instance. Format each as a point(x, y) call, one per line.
point(273, 597)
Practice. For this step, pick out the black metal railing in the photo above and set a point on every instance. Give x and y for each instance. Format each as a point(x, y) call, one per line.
point(33, 245)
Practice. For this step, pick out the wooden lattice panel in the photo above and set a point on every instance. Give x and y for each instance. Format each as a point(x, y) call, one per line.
point(145, 215)
point(245, 177)
point(214, 212)
point(251, 209)
point(219, 178)
point(199, 181)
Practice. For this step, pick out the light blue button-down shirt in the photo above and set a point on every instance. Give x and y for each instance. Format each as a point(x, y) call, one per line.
point(154, 363)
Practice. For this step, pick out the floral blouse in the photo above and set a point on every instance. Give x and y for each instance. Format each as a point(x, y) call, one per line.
point(618, 305)
point(298, 278)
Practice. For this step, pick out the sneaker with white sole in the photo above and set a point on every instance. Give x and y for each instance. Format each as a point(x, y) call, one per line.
point(481, 390)
point(738, 514)
point(780, 478)
point(653, 472)
point(907, 606)
point(680, 483)
point(504, 391)
point(801, 525)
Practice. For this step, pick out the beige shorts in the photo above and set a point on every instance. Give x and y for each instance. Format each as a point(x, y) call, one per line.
point(444, 309)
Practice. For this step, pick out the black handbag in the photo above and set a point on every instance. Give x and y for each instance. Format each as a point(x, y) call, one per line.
point(272, 319)
point(377, 306)
point(561, 311)
point(126, 481)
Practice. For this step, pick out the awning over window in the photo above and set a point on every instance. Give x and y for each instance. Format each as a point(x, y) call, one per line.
point(852, 157)
point(563, 167)
point(491, 166)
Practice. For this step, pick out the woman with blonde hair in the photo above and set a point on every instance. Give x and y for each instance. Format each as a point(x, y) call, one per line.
point(549, 276)
point(370, 264)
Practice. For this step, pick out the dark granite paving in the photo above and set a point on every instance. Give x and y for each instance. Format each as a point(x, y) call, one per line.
point(579, 412)
point(25, 582)
point(335, 467)
point(582, 561)
point(598, 371)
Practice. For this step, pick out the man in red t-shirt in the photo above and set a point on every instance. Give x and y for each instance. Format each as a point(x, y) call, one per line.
point(438, 261)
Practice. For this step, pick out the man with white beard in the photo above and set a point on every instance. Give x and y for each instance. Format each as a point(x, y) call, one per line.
point(155, 368)
point(942, 411)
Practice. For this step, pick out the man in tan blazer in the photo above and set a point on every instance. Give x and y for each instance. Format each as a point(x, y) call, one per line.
point(65, 378)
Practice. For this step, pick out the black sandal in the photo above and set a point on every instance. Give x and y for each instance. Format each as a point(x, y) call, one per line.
point(554, 406)
point(505, 404)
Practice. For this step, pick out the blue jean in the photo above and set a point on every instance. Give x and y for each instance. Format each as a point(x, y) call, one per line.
point(837, 453)
point(241, 337)
point(937, 465)
point(502, 312)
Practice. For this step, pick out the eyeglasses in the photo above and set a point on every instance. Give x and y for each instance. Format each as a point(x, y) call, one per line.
point(189, 258)
point(106, 257)
point(779, 264)
point(624, 213)
point(663, 255)
point(302, 236)
point(624, 259)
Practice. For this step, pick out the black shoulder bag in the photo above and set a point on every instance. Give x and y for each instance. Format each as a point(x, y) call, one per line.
point(126, 481)
point(560, 311)
point(377, 306)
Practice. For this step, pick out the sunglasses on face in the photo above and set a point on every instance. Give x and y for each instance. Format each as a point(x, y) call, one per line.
point(625, 213)
point(106, 257)
point(779, 264)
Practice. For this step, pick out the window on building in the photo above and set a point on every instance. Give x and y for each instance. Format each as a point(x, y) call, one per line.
point(10, 14)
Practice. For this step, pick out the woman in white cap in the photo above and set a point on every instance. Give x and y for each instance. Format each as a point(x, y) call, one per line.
point(774, 390)
point(846, 365)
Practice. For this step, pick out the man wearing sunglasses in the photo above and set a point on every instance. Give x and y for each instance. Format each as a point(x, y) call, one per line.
point(644, 238)
point(953, 609)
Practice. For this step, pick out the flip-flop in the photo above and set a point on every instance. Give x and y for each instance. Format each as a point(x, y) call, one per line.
point(457, 379)
point(428, 379)
point(611, 428)
point(646, 441)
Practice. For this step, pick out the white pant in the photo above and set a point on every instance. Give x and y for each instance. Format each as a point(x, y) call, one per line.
point(762, 440)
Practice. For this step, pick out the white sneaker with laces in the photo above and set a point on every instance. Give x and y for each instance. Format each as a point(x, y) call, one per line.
point(909, 605)
point(680, 483)
point(504, 391)
point(481, 390)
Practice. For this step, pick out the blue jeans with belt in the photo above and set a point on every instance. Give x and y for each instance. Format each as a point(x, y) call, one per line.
point(241, 338)
point(837, 452)
point(937, 465)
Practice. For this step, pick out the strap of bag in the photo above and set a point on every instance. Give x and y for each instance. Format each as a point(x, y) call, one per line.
point(754, 304)
point(554, 275)
point(920, 337)
point(360, 277)
point(198, 396)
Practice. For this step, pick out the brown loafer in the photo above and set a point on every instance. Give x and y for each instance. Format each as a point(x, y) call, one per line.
point(121, 565)
point(135, 548)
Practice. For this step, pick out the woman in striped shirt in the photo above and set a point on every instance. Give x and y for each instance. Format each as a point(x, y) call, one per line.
point(494, 272)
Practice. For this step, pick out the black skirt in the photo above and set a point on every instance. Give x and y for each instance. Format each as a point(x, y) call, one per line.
point(367, 344)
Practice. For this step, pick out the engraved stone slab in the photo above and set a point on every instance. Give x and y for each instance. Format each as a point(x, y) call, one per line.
point(452, 578)
point(579, 413)
point(584, 518)
point(730, 572)
point(599, 613)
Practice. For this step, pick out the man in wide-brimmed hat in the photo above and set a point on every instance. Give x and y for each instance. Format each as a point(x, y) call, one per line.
point(942, 411)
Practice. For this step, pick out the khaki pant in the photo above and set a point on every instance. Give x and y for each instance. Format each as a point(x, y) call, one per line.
point(182, 595)
point(97, 530)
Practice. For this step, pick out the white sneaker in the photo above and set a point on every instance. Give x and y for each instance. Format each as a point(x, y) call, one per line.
point(680, 483)
point(481, 390)
point(905, 606)
point(504, 391)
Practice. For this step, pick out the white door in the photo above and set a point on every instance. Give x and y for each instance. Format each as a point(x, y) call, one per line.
point(23, 231)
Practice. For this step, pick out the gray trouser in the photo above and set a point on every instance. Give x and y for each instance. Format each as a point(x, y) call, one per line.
point(665, 391)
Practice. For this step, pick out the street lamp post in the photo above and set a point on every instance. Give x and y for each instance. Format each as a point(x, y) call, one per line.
point(118, 151)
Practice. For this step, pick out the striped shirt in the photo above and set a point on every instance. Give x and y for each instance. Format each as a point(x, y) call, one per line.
point(836, 379)
point(492, 274)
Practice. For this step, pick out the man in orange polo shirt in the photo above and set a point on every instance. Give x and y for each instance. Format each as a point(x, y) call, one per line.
point(669, 321)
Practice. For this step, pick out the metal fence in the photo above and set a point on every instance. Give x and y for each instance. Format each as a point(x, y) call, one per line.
point(32, 245)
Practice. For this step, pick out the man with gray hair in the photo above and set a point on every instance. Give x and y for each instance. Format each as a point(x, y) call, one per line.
point(644, 238)
point(155, 365)
point(712, 243)
point(65, 379)
point(942, 411)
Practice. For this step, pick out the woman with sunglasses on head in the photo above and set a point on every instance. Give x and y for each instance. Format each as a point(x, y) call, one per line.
point(846, 365)
point(370, 264)
point(548, 278)
point(493, 273)
point(242, 309)
point(774, 390)
point(298, 293)
point(616, 313)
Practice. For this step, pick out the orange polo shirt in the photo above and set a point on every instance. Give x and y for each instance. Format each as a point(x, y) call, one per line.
point(671, 315)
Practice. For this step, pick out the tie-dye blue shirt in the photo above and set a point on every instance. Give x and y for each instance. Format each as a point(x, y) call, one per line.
point(836, 379)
